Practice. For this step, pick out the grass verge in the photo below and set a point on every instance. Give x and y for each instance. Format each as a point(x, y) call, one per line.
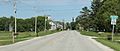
point(6, 37)
point(102, 38)
point(113, 45)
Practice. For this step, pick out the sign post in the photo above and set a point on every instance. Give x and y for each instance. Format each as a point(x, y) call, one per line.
point(113, 22)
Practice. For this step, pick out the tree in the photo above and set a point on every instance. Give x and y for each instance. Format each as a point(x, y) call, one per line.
point(41, 23)
point(99, 17)
point(23, 24)
point(4, 24)
point(107, 8)
point(68, 26)
point(83, 18)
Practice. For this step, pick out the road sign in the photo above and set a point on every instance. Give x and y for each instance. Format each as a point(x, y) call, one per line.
point(113, 22)
point(113, 19)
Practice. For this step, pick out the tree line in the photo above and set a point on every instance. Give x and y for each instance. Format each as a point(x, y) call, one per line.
point(28, 24)
point(97, 18)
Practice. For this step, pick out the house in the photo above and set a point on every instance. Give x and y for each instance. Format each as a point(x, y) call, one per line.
point(55, 25)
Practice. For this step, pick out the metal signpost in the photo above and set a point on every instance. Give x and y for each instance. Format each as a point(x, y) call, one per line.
point(113, 22)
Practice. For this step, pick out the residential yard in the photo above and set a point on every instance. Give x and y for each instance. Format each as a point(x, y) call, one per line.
point(102, 37)
point(6, 37)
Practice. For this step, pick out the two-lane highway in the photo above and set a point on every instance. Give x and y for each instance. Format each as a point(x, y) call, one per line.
point(61, 41)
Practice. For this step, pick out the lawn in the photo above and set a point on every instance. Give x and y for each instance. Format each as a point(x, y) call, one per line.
point(103, 39)
point(111, 44)
point(6, 37)
point(94, 34)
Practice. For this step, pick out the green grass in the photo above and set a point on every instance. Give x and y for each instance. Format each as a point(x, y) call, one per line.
point(5, 42)
point(103, 39)
point(6, 37)
point(113, 45)
point(46, 33)
point(102, 35)
point(117, 37)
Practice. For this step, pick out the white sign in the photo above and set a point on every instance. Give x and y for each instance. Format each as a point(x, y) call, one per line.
point(113, 22)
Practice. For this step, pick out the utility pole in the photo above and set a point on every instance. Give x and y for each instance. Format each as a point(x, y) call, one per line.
point(36, 25)
point(63, 24)
point(45, 23)
point(13, 34)
point(73, 19)
point(46, 19)
point(35, 21)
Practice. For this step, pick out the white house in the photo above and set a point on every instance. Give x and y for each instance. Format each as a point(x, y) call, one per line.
point(55, 25)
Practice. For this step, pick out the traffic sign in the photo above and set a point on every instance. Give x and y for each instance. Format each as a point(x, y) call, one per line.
point(113, 22)
point(113, 19)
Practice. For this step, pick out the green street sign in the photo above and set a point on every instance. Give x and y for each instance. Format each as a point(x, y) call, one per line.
point(113, 17)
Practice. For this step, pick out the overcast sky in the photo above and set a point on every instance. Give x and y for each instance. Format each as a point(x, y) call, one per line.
point(58, 9)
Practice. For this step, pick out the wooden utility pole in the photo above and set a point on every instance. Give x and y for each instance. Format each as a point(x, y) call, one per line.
point(13, 34)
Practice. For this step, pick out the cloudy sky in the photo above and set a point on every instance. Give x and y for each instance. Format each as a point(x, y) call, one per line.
point(57, 9)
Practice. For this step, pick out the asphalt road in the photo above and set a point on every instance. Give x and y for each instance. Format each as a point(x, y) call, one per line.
point(62, 41)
